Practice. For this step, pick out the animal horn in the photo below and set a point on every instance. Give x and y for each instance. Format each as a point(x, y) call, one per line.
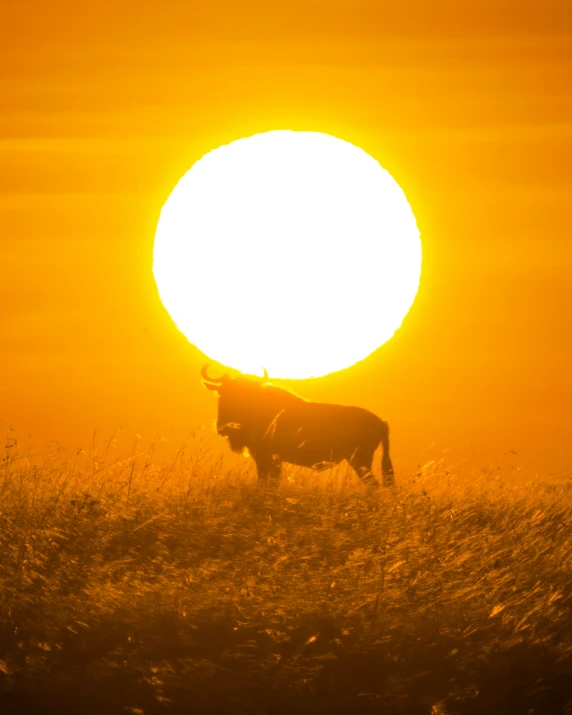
point(206, 376)
point(265, 377)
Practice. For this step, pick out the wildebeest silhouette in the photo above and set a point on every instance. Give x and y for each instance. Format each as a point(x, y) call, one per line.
point(276, 425)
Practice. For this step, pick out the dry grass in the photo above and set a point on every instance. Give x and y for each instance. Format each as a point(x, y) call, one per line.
point(134, 586)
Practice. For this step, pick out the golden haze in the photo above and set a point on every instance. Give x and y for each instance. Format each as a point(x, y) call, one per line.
point(104, 108)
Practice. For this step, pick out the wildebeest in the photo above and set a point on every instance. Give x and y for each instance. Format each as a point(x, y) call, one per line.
point(274, 425)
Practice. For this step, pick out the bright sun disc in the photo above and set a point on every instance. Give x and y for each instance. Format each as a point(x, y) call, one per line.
point(294, 251)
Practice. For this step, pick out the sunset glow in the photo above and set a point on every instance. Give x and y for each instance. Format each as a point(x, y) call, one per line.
point(295, 251)
point(374, 194)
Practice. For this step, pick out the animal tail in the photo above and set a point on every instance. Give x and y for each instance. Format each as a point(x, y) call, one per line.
point(386, 464)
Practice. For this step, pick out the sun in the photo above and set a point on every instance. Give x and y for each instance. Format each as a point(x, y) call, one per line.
point(295, 251)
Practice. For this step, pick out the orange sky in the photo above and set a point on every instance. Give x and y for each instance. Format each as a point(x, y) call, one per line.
point(105, 105)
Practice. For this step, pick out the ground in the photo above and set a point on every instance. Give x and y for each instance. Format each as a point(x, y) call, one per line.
point(142, 587)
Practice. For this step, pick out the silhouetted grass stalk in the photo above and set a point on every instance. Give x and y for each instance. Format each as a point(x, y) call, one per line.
point(452, 591)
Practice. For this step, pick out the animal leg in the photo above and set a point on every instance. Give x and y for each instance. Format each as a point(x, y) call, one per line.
point(386, 464)
point(268, 468)
point(362, 466)
point(387, 472)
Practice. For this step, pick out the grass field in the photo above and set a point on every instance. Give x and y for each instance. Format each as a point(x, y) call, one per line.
point(180, 587)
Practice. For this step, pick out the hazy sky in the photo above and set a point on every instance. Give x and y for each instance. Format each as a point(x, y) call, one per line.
point(105, 105)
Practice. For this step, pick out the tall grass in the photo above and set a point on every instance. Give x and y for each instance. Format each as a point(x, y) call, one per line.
point(138, 586)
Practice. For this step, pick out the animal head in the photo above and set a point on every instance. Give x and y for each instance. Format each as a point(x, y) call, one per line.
point(241, 400)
